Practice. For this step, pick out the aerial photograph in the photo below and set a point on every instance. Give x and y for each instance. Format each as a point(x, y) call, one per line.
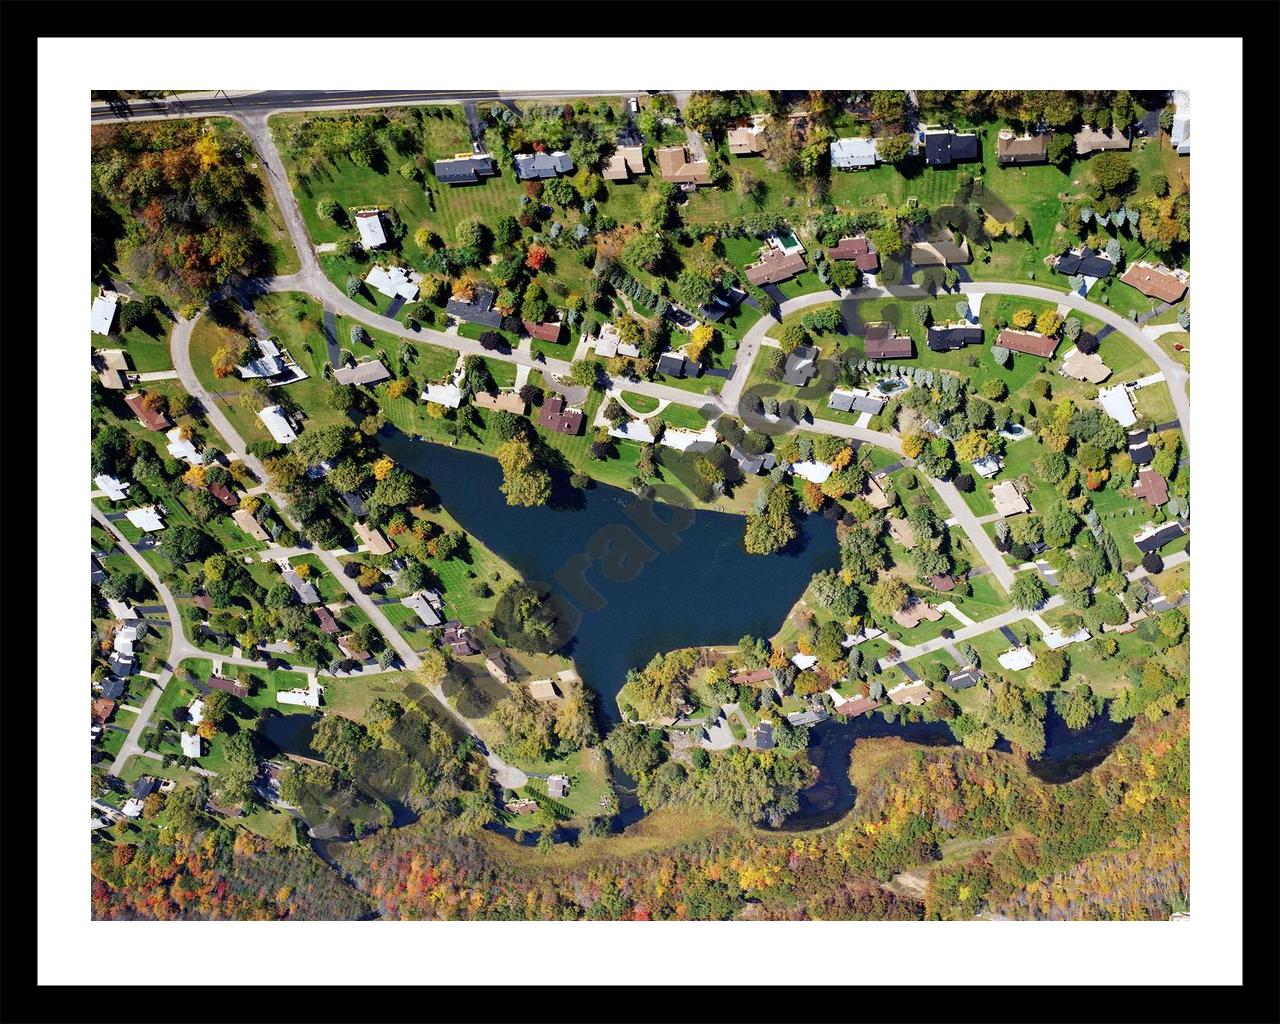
point(660, 506)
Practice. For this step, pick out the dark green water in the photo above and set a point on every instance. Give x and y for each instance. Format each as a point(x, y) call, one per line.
point(640, 580)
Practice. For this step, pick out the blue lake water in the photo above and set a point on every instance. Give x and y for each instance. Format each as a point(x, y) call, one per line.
point(641, 586)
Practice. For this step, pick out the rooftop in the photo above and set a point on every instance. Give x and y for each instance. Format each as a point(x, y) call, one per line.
point(1028, 343)
point(1157, 281)
point(369, 224)
point(555, 415)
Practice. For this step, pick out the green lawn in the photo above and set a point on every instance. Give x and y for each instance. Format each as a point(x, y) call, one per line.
point(640, 403)
point(682, 416)
point(147, 351)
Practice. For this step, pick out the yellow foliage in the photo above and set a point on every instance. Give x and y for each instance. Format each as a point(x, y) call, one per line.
point(843, 457)
point(206, 148)
point(382, 468)
point(194, 477)
point(284, 892)
point(303, 570)
point(1023, 319)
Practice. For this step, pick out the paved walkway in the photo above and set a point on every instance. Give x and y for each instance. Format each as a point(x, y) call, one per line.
point(146, 378)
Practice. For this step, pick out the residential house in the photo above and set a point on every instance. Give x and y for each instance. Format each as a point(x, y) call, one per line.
point(625, 163)
point(350, 649)
point(811, 470)
point(114, 489)
point(549, 330)
point(427, 605)
point(748, 139)
point(479, 309)
point(1017, 658)
point(149, 418)
point(1055, 639)
point(1092, 140)
point(943, 584)
point(1140, 450)
point(801, 366)
point(943, 147)
point(1012, 148)
point(674, 165)
point(775, 265)
point(523, 806)
point(857, 706)
point(803, 662)
point(854, 154)
point(372, 538)
point(495, 663)
point(225, 495)
point(534, 166)
point(369, 224)
point(676, 364)
point(190, 744)
point(1151, 488)
point(750, 465)
point(268, 362)
point(96, 571)
point(1117, 404)
point(273, 417)
point(963, 678)
point(930, 248)
point(1157, 281)
point(394, 282)
point(464, 168)
point(752, 676)
point(544, 690)
point(249, 525)
point(988, 466)
point(1085, 262)
point(306, 592)
point(554, 415)
point(355, 503)
point(112, 367)
point(307, 698)
point(915, 692)
point(458, 638)
point(851, 401)
point(183, 448)
point(949, 336)
point(102, 313)
point(371, 371)
point(101, 709)
point(1008, 500)
point(146, 518)
point(1180, 133)
point(1152, 538)
point(1078, 366)
point(760, 736)
point(866, 633)
point(1028, 342)
point(857, 249)
point(113, 687)
point(195, 713)
point(723, 302)
point(557, 786)
point(609, 343)
point(232, 686)
point(328, 624)
point(916, 612)
point(882, 341)
point(447, 394)
point(506, 401)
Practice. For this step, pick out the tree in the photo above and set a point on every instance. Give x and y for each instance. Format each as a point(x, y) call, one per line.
point(585, 373)
point(921, 314)
point(1153, 563)
point(525, 483)
point(890, 595)
point(1112, 172)
point(1028, 591)
point(646, 250)
point(887, 240)
point(893, 149)
point(1001, 355)
point(1062, 148)
point(1023, 319)
point(537, 257)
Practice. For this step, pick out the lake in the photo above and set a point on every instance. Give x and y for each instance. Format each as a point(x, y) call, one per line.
point(645, 577)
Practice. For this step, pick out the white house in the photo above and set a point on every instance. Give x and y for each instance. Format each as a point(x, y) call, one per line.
point(449, 395)
point(853, 154)
point(690, 440)
point(1117, 404)
point(633, 430)
point(111, 487)
point(987, 466)
point(121, 610)
point(1055, 639)
point(132, 808)
point(369, 224)
point(145, 518)
point(814, 472)
point(190, 744)
point(1017, 658)
point(308, 698)
point(103, 313)
point(394, 282)
point(274, 419)
point(196, 712)
point(183, 449)
point(427, 605)
point(803, 661)
point(1180, 133)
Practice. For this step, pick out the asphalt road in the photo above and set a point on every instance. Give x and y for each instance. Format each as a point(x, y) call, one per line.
point(278, 101)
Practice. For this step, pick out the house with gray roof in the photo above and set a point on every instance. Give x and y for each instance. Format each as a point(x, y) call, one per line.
point(801, 366)
point(853, 154)
point(305, 591)
point(465, 168)
point(532, 166)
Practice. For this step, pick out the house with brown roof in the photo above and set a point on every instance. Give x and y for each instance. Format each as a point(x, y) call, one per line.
point(1151, 487)
point(112, 367)
point(916, 612)
point(1012, 148)
point(243, 519)
point(748, 140)
point(231, 686)
point(857, 249)
point(753, 676)
point(372, 537)
point(857, 706)
point(328, 624)
point(1157, 281)
point(916, 693)
point(224, 494)
point(774, 265)
point(882, 341)
point(148, 418)
point(942, 583)
point(1028, 343)
point(555, 415)
point(674, 165)
point(625, 163)
point(102, 709)
point(547, 330)
point(1091, 140)
point(544, 689)
point(507, 401)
